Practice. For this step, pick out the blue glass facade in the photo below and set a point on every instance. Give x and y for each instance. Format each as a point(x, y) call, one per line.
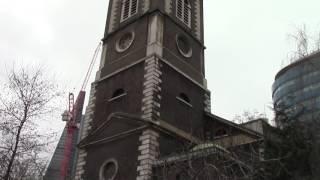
point(297, 87)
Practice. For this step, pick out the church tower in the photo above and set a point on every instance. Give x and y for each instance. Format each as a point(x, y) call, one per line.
point(150, 94)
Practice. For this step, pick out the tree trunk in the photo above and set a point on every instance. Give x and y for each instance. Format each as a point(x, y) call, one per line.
point(14, 152)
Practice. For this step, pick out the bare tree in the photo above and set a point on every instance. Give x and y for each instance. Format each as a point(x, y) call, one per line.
point(211, 160)
point(248, 116)
point(26, 97)
point(287, 153)
point(302, 41)
point(305, 43)
point(317, 42)
point(295, 145)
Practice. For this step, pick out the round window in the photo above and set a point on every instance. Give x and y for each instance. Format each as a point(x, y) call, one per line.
point(183, 45)
point(108, 170)
point(125, 41)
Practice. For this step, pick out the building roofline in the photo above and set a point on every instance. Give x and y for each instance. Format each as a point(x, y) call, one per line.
point(297, 62)
point(237, 126)
point(264, 120)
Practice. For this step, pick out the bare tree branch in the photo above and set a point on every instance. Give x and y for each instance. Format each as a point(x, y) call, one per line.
point(27, 96)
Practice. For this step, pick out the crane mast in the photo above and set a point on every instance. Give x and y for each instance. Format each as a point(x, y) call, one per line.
point(73, 118)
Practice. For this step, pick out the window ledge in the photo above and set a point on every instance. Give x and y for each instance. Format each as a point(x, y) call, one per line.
point(117, 97)
point(220, 137)
point(184, 102)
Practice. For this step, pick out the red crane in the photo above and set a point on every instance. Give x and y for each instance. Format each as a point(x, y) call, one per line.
point(73, 118)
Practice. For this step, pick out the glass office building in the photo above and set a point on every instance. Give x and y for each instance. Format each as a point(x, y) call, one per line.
point(297, 87)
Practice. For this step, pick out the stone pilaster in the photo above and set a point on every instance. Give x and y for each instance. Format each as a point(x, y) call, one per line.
point(102, 61)
point(149, 151)
point(145, 5)
point(155, 35)
point(149, 146)
point(113, 15)
point(197, 10)
point(151, 98)
point(151, 89)
point(168, 6)
point(207, 102)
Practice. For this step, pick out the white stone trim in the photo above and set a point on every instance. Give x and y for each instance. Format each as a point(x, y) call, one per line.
point(149, 152)
point(155, 35)
point(102, 61)
point(151, 88)
point(207, 102)
point(168, 6)
point(113, 15)
point(117, 97)
point(183, 101)
point(146, 6)
point(149, 145)
point(197, 10)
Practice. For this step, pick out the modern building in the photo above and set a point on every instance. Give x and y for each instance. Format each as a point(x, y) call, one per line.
point(297, 88)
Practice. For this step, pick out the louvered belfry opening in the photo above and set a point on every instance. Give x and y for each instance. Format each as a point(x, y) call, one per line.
point(129, 8)
point(134, 6)
point(183, 11)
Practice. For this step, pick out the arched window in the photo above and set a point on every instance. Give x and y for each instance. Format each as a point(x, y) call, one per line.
point(183, 11)
point(129, 8)
point(117, 93)
point(184, 97)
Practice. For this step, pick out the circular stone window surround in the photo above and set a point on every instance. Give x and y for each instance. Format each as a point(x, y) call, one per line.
point(183, 39)
point(126, 39)
point(102, 169)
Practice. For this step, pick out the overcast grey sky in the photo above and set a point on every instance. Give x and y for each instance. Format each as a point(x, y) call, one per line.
point(246, 43)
